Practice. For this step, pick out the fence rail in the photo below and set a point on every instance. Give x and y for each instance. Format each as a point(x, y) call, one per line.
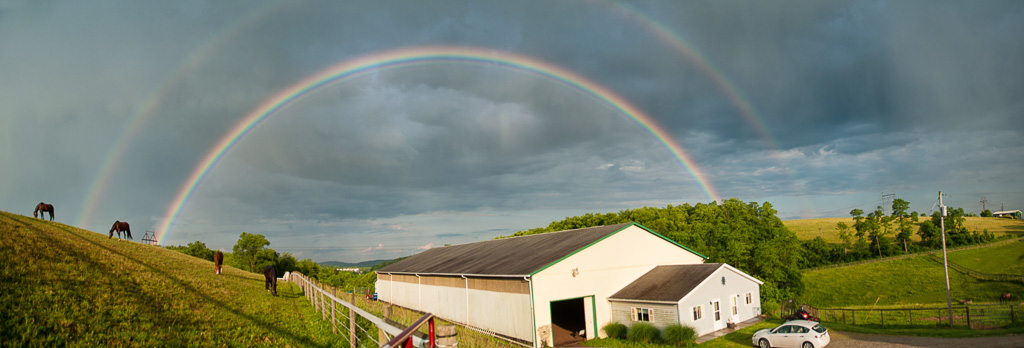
point(974, 316)
point(364, 329)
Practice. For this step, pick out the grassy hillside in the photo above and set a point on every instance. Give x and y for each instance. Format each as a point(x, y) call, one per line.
point(826, 227)
point(60, 285)
point(915, 280)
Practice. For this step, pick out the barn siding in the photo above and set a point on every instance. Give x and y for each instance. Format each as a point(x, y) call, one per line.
point(475, 307)
point(664, 314)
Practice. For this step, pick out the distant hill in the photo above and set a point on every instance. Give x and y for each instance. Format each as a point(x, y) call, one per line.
point(807, 229)
point(340, 264)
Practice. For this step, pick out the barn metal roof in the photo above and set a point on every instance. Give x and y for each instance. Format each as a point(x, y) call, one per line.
point(508, 257)
point(667, 283)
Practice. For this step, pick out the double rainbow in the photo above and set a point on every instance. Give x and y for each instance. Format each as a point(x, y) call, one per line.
point(414, 56)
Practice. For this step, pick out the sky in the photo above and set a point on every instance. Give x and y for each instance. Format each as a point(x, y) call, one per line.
point(353, 131)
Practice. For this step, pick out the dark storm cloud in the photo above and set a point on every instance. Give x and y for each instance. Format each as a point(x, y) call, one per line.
point(853, 96)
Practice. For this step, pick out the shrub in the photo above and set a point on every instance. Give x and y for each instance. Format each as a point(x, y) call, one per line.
point(769, 308)
point(615, 330)
point(643, 332)
point(677, 334)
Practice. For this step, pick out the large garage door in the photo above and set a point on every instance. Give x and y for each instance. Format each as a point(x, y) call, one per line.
point(568, 321)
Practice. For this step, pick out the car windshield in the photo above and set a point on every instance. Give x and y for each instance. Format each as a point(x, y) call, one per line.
point(819, 328)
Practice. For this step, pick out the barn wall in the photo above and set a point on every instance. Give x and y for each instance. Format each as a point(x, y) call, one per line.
point(664, 314)
point(736, 285)
point(448, 298)
point(601, 270)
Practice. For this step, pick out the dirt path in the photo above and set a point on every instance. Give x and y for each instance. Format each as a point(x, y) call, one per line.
point(859, 340)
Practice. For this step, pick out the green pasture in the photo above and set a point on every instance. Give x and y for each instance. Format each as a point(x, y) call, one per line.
point(1002, 259)
point(60, 285)
point(906, 282)
point(807, 229)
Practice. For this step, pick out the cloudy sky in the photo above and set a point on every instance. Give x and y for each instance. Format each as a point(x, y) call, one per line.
point(107, 109)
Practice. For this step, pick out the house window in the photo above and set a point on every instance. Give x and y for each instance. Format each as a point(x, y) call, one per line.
point(642, 314)
point(718, 314)
point(698, 312)
point(733, 300)
point(749, 298)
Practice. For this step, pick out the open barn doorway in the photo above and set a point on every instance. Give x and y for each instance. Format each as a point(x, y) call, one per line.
point(569, 321)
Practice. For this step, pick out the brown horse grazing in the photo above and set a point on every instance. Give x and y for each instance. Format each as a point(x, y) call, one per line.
point(218, 261)
point(1005, 298)
point(271, 283)
point(120, 226)
point(43, 208)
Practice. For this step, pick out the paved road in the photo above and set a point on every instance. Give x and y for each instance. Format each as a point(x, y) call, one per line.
point(858, 340)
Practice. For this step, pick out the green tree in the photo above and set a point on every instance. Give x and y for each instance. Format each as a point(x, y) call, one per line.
point(286, 263)
point(249, 247)
point(904, 226)
point(986, 213)
point(844, 235)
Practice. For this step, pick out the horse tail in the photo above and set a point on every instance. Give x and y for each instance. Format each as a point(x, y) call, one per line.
point(128, 230)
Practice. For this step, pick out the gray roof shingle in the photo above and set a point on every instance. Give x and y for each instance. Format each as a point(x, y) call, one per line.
point(667, 283)
point(516, 256)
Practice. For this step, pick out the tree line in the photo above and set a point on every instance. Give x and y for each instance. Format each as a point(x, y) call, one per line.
point(748, 236)
point(878, 235)
point(252, 253)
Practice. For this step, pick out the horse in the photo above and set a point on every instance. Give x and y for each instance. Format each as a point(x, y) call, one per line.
point(1005, 298)
point(218, 261)
point(43, 208)
point(120, 226)
point(271, 283)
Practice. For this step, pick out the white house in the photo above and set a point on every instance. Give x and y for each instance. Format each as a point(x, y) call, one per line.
point(559, 287)
point(705, 297)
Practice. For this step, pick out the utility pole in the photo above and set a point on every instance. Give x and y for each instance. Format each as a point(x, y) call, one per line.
point(945, 262)
point(887, 202)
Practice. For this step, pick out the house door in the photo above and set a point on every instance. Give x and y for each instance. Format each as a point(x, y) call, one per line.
point(716, 314)
point(568, 321)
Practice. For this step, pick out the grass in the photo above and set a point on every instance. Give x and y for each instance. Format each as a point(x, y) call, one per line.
point(807, 229)
point(1011, 258)
point(914, 280)
point(739, 338)
point(60, 285)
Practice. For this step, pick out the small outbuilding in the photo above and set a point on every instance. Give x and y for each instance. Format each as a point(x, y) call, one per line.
point(555, 288)
point(706, 297)
point(1008, 213)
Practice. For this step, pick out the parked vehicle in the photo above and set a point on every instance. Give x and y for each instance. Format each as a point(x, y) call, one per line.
point(794, 333)
point(801, 314)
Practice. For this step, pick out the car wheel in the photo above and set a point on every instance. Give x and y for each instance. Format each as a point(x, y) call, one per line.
point(807, 345)
point(763, 343)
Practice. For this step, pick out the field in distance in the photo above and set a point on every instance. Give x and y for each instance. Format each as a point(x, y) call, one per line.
point(806, 229)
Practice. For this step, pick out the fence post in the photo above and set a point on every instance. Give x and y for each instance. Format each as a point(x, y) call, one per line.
point(844, 317)
point(853, 313)
point(323, 307)
point(352, 328)
point(881, 313)
point(968, 309)
point(910, 314)
point(334, 318)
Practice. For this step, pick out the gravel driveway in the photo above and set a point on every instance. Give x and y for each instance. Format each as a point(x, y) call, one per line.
point(859, 340)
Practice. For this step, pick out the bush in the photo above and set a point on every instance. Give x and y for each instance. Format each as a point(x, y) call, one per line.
point(615, 330)
point(677, 334)
point(770, 308)
point(643, 332)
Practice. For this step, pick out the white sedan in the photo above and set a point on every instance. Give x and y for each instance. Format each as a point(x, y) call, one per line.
point(795, 333)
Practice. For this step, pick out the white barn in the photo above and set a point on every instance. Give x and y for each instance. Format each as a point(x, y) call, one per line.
point(559, 287)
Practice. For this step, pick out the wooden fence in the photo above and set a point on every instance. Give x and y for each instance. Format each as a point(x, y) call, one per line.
point(363, 329)
point(984, 316)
